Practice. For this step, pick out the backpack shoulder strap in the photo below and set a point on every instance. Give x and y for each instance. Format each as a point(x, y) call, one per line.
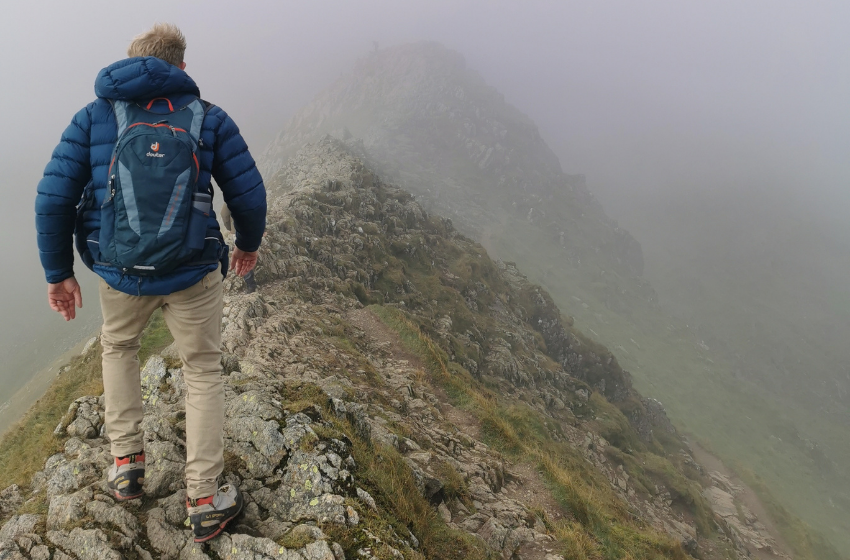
point(122, 114)
point(199, 110)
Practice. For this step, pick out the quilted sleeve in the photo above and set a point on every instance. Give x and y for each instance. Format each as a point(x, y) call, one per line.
point(237, 175)
point(59, 192)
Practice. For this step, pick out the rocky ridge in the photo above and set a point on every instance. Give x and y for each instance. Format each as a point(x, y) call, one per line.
point(321, 394)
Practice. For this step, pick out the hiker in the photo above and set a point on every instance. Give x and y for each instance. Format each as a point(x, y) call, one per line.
point(227, 220)
point(149, 132)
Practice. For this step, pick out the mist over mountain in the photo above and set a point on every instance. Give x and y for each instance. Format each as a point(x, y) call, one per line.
point(421, 117)
point(426, 119)
point(761, 274)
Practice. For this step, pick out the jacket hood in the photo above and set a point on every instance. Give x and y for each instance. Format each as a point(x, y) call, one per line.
point(143, 78)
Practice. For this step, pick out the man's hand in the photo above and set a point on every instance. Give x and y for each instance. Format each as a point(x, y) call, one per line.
point(243, 262)
point(63, 295)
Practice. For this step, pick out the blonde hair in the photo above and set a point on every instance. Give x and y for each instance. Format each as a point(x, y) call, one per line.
point(163, 40)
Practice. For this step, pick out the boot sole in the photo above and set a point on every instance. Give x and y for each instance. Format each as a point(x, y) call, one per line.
point(218, 531)
point(122, 498)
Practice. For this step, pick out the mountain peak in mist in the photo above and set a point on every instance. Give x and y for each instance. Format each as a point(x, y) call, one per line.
point(420, 116)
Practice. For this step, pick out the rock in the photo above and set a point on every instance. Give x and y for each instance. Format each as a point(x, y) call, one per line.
point(40, 552)
point(165, 468)
point(153, 376)
point(239, 546)
point(10, 500)
point(114, 516)
point(444, 512)
point(165, 538)
point(90, 544)
point(308, 533)
point(171, 353)
point(174, 508)
point(352, 517)
point(88, 418)
point(19, 525)
point(89, 345)
point(367, 499)
point(67, 509)
point(721, 502)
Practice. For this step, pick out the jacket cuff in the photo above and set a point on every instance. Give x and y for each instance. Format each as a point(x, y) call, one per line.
point(241, 245)
point(56, 277)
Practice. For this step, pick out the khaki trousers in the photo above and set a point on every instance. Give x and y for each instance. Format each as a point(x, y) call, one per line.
point(193, 316)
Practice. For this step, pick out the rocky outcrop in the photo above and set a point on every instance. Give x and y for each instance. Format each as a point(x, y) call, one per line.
point(314, 380)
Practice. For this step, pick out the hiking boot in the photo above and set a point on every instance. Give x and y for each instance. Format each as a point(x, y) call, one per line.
point(126, 476)
point(209, 515)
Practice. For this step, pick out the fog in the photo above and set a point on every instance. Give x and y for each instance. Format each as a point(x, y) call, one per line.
point(665, 106)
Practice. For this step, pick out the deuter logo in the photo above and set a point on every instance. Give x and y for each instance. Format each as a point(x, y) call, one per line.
point(155, 148)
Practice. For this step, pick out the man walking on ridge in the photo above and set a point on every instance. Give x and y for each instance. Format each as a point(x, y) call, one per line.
point(149, 132)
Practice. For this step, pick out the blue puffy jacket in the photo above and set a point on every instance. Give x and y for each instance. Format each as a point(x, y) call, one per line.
point(84, 153)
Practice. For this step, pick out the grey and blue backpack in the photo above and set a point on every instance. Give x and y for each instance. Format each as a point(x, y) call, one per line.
point(153, 218)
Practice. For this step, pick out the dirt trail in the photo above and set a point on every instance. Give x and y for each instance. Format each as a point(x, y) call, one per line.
point(746, 497)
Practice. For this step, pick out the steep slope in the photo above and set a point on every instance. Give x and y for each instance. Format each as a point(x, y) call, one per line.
point(391, 392)
point(420, 117)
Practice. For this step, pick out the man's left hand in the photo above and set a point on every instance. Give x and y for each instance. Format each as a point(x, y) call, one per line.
point(63, 296)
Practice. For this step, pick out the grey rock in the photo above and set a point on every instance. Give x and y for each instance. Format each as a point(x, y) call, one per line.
point(89, 345)
point(367, 499)
point(87, 418)
point(10, 500)
point(66, 509)
point(308, 532)
point(193, 551)
point(40, 552)
point(171, 353)
point(352, 516)
point(10, 551)
point(165, 469)
point(444, 512)
point(266, 439)
point(174, 507)
point(114, 516)
point(152, 376)
point(239, 547)
point(273, 528)
point(253, 404)
point(164, 538)
point(19, 525)
point(142, 553)
point(88, 544)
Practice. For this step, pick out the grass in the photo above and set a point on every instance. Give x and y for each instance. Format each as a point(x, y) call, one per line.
point(382, 471)
point(26, 445)
point(600, 526)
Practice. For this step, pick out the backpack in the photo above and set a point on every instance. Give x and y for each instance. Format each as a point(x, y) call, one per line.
point(154, 218)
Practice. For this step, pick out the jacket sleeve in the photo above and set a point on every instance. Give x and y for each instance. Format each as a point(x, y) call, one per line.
point(241, 184)
point(59, 192)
